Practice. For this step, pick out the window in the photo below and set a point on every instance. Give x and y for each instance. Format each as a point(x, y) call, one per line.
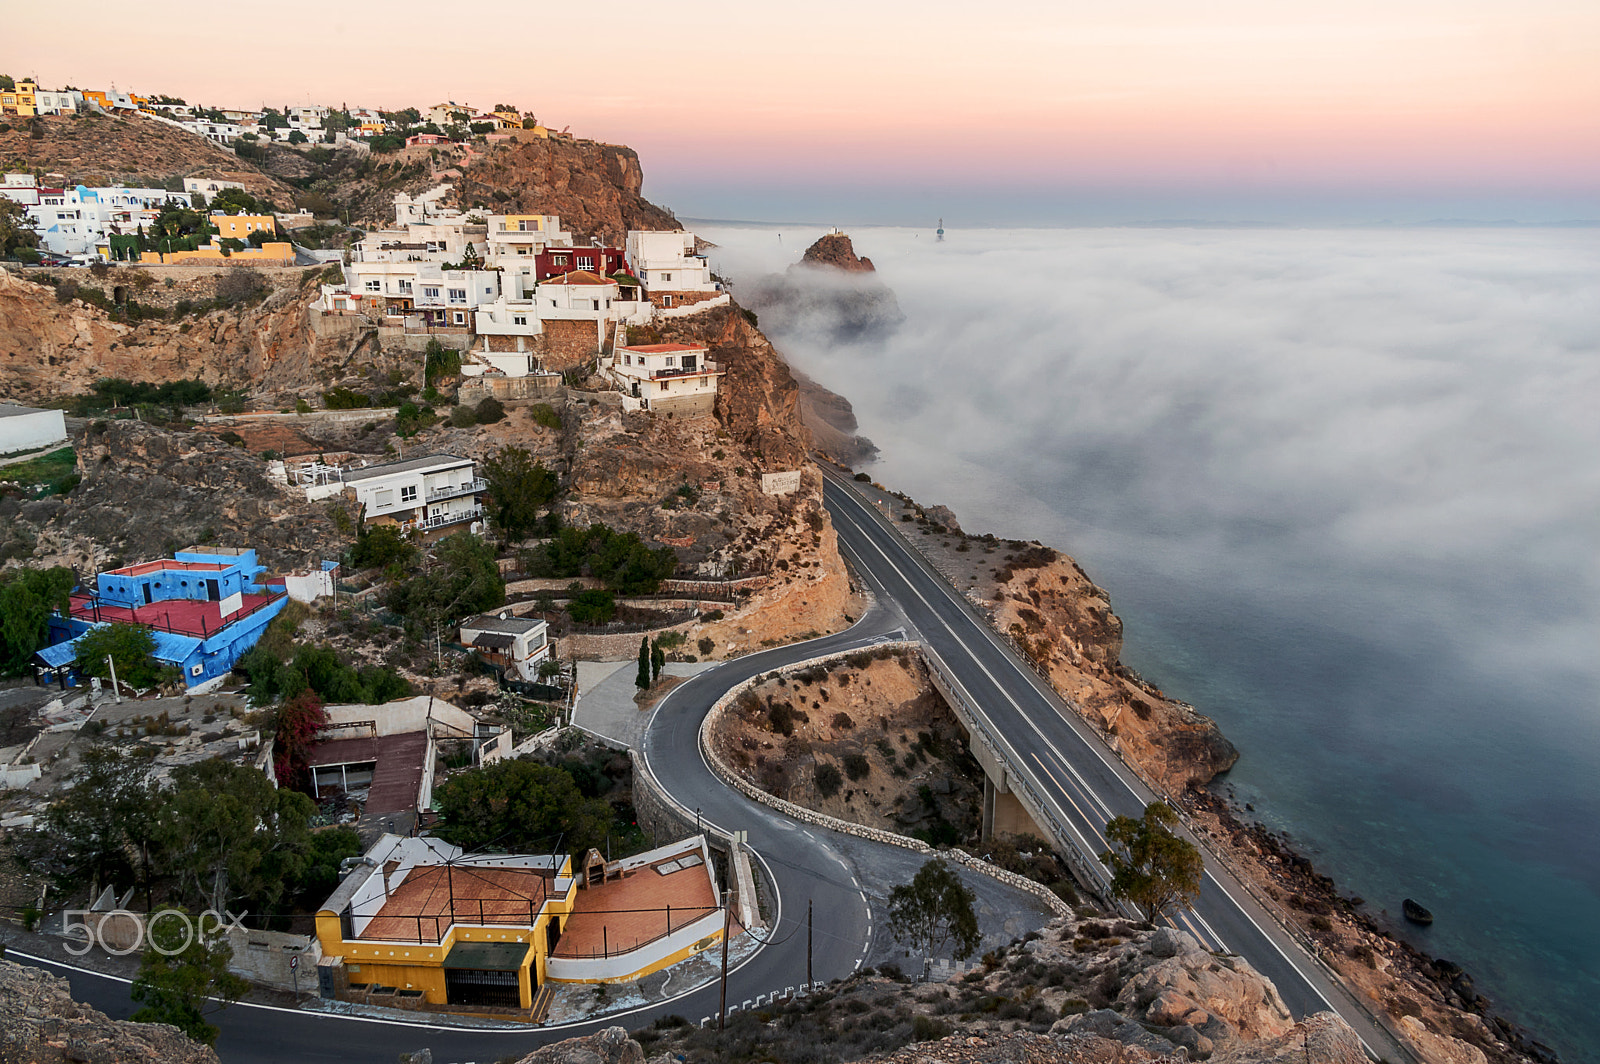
point(519, 319)
point(408, 493)
point(666, 277)
point(664, 385)
point(383, 497)
point(374, 286)
point(585, 262)
point(461, 317)
point(431, 293)
point(627, 360)
point(672, 360)
point(458, 295)
point(560, 260)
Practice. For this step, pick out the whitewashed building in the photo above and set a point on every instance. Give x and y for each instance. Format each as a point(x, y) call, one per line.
point(666, 378)
point(516, 644)
point(672, 273)
point(438, 494)
point(26, 428)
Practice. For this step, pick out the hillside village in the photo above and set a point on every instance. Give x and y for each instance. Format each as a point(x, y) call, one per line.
point(369, 480)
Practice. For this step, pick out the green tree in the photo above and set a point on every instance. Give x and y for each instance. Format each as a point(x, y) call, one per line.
point(620, 559)
point(519, 490)
point(521, 807)
point(187, 977)
point(297, 137)
point(381, 546)
point(933, 909)
point(129, 646)
point(1150, 865)
point(642, 679)
point(658, 660)
point(101, 829)
point(16, 233)
point(229, 834)
point(592, 606)
point(7, 83)
point(27, 598)
point(439, 361)
point(464, 578)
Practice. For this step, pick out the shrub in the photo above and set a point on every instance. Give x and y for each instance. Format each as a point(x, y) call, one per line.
point(544, 414)
point(489, 411)
point(592, 607)
point(462, 417)
point(829, 779)
point(843, 721)
point(857, 767)
point(707, 644)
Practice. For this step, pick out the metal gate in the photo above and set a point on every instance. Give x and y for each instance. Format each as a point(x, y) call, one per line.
point(471, 986)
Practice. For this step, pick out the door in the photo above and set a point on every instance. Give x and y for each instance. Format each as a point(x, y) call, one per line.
point(147, 598)
point(213, 591)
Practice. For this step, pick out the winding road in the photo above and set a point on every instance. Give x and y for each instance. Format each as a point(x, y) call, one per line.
point(1063, 760)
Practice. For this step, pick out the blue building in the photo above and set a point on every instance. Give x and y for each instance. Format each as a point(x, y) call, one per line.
point(204, 607)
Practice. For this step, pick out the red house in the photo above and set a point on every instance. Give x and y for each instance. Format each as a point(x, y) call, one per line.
point(552, 262)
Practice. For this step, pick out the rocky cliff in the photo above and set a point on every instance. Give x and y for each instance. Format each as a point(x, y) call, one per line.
point(1081, 991)
point(829, 297)
point(109, 150)
point(1063, 621)
point(146, 492)
point(52, 348)
point(594, 187)
point(40, 1023)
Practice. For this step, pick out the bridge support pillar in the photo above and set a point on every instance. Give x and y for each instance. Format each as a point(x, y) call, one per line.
point(1003, 814)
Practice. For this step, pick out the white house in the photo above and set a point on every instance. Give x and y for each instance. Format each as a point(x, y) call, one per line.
point(76, 221)
point(57, 102)
point(672, 274)
point(20, 188)
point(440, 297)
point(26, 428)
point(516, 644)
point(436, 494)
point(449, 112)
point(666, 378)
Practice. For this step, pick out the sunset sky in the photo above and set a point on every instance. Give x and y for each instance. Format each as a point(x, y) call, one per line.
point(861, 112)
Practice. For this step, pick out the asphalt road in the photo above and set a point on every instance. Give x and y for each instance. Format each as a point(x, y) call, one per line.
point(1066, 762)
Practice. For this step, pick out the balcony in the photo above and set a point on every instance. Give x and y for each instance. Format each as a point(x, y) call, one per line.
point(427, 524)
point(679, 371)
point(458, 490)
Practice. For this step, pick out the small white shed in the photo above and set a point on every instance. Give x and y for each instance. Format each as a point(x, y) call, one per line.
point(24, 428)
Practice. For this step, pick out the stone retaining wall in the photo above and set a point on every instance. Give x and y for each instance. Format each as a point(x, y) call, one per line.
point(621, 646)
point(809, 816)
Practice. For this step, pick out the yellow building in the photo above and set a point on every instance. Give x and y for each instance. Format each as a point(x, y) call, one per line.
point(422, 918)
point(512, 119)
point(240, 226)
point(20, 101)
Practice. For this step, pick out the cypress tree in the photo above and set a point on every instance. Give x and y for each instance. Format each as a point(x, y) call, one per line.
point(643, 679)
point(658, 658)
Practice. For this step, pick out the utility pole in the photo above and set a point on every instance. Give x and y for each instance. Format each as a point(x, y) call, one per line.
point(727, 921)
point(115, 690)
point(808, 943)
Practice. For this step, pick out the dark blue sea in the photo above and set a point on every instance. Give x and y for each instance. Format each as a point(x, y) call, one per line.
point(1343, 486)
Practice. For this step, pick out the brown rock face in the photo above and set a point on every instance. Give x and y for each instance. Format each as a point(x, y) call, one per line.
point(146, 492)
point(1060, 619)
point(50, 349)
point(836, 250)
point(104, 150)
point(41, 1024)
point(594, 187)
point(610, 1046)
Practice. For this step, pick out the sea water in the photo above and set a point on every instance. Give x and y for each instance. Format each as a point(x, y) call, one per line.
point(1344, 489)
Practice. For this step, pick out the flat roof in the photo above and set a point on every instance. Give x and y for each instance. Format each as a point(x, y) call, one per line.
point(661, 349)
point(397, 770)
point(432, 461)
point(432, 897)
point(630, 911)
point(487, 956)
point(17, 410)
point(508, 625)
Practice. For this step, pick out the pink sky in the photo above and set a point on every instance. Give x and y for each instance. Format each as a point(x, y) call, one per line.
point(1258, 93)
